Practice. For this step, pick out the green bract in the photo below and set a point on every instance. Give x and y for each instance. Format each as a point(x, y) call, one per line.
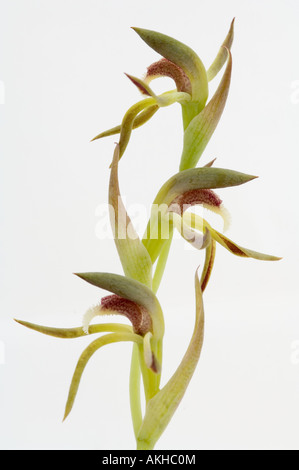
point(133, 294)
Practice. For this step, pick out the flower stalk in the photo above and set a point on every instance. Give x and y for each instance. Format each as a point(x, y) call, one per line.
point(134, 294)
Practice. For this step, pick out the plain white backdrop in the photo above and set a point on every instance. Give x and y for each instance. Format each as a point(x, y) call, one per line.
point(62, 82)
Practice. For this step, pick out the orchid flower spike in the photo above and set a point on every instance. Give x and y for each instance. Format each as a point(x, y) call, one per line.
point(132, 295)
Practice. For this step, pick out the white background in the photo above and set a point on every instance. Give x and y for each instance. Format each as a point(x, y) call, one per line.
point(62, 64)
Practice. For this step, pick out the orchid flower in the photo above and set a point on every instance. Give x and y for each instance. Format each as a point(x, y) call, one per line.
point(133, 294)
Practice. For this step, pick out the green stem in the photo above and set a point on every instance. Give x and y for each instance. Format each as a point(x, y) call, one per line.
point(161, 263)
point(135, 402)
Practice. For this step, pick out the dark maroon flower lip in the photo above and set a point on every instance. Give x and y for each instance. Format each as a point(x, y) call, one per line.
point(137, 314)
point(206, 197)
point(166, 68)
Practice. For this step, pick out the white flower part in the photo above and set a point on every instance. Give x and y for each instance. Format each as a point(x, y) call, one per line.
point(197, 240)
point(224, 213)
point(89, 315)
point(147, 351)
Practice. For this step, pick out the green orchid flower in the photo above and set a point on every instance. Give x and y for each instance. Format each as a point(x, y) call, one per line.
point(182, 64)
point(133, 294)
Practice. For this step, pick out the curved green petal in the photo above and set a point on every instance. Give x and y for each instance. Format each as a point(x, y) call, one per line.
point(134, 257)
point(221, 57)
point(162, 406)
point(202, 127)
point(128, 122)
point(140, 119)
point(70, 333)
point(86, 355)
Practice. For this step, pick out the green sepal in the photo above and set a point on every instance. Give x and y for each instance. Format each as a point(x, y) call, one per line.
point(221, 57)
point(86, 355)
point(202, 126)
point(133, 255)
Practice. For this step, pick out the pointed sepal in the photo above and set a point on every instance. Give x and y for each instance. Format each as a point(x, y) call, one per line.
point(202, 126)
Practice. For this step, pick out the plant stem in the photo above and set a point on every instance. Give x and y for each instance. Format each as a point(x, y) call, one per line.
point(135, 402)
point(161, 263)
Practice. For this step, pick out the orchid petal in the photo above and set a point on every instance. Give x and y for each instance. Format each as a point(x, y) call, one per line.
point(198, 222)
point(211, 163)
point(162, 406)
point(70, 333)
point(197, 240)
point(203, 125)
point(140, 119)
point(86, 355)
point(142, 86)
point(148, 355)
point(134, 257)
point(182, 182)
point(208, 266)
point(128, 122)
point(221, 57)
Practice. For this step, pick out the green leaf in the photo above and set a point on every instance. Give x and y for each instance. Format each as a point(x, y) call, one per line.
point(162, 406)
point(184, 57)
point(222, 54)
point(134, 257)
point(202, 126)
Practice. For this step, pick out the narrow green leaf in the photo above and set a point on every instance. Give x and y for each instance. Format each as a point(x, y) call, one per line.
point(86, 355)
point(221, 57)
point(162, 406)
point(202, 126)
